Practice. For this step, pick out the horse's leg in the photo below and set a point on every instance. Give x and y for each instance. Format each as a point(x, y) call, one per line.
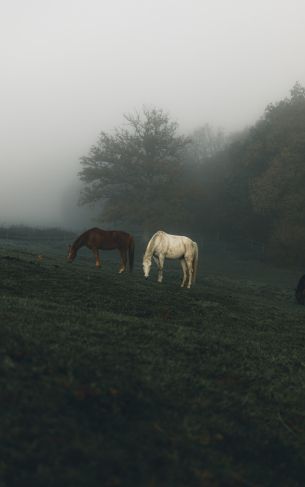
point(156, 259)
point(123, 255)
point(97, 257)
point(184, 270)
point(189, 264)
point(160, 267)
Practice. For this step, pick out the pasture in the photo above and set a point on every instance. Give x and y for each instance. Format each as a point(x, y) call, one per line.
point(110, 380)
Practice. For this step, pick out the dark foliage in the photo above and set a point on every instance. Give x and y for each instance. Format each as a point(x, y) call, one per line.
point(136, 172)
point(247, 187)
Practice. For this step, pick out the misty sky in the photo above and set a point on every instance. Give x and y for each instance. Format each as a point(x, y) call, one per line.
point(71, 68)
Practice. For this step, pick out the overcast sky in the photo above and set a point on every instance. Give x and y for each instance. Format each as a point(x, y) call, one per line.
point(71, 68)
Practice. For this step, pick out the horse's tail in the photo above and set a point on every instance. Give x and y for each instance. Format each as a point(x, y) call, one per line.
point(131, 246)
point(195, 262)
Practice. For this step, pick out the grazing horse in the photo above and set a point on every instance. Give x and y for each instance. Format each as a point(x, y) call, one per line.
point(96, 239)
point(300, 291)
point(164, 246)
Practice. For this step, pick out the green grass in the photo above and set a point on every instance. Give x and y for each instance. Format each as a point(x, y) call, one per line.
point(111, 380)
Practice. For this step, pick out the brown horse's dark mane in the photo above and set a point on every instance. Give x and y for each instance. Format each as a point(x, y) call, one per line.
point(78, 242)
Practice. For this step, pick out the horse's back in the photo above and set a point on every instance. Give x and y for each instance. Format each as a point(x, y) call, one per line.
point(174, 237)
point(171, 246)
point(115, 234)
point(181, 239)
point(106, 239)
point(95, 231)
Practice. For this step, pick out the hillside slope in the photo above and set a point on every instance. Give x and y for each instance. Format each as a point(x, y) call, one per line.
point(112, 380)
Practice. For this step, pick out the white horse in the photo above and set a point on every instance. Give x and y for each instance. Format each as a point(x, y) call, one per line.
point(164, 246)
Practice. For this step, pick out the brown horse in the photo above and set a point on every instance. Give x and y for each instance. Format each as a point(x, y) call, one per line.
point(96, 239)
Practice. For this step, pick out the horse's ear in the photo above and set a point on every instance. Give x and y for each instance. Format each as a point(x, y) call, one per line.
point(69, 247)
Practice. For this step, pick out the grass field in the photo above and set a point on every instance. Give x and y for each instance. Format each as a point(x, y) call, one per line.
point(111, 380)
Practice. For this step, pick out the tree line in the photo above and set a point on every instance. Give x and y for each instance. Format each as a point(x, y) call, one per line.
point(249, 185)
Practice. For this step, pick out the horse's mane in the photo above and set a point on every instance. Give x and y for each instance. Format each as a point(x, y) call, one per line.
point(149, 248)
point(82, 236)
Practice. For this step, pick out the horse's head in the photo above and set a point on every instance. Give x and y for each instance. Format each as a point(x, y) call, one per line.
point(71, 253)
point(146, 267)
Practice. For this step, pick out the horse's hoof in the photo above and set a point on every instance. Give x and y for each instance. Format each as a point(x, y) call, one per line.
point(121, 270)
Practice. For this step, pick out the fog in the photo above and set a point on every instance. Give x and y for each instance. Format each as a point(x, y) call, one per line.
point(72, 68)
